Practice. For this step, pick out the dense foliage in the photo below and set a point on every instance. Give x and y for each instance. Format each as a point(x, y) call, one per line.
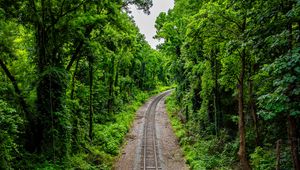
point(69, 72)
point(72, 74)
point(236, 65)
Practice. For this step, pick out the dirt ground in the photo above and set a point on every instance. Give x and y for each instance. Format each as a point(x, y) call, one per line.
point(170, 154)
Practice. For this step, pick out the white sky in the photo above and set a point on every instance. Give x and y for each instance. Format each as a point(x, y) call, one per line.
point(146, 22)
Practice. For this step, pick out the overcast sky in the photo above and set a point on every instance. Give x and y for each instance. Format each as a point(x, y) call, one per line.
point(146, 22)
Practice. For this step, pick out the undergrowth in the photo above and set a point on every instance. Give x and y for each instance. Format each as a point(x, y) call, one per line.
point(109, 137)
point(202, 151)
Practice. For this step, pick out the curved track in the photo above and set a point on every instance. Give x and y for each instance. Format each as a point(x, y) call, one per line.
point(149, 154)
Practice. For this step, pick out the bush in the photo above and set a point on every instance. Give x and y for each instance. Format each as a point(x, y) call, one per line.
point(263, 159)
point(201, 150)
point(10, 123)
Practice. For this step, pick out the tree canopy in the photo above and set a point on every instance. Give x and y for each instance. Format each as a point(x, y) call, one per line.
point(73, 72)
point(236, 66)
point(68, 68)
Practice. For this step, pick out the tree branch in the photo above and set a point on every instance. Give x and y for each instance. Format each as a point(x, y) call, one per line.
point(74, 55)
point(230, 20)
point(79, 46)
point(17, 90)
point(64, 14)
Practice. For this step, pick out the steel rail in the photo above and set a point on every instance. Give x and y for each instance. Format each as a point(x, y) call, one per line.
point(150, 132)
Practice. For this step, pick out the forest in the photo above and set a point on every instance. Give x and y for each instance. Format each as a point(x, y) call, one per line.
point(74, 72)
point(72, 75)
point(236, 65)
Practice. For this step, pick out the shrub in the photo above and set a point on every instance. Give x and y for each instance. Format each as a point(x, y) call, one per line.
point(263, 159)
point(202, 150)
point(10, 123)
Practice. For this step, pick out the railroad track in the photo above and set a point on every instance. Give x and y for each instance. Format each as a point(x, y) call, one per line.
point(149, 154)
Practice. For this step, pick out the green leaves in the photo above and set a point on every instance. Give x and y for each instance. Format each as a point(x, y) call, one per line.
point(263, 159)
point(222, 51)
point(10, 129)
point(88, 51)
point(283, 99)
point(273, 104)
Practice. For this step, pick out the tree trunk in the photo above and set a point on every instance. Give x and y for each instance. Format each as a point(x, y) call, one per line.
point(75, 55)
point(78, 45)
point(298, 32)
point(91, 101)
point(252, 106)
point(73, 80)
point(20, 97)
point(116, 82)
point(143, 76)
point(196, 100)
point(242, 132)
point(218, 97)
point(218, 114)
point(278, 145)
point(49, 134)
point(110, 101)
point(292, 123)
point(215, 93)
point(292, 134)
